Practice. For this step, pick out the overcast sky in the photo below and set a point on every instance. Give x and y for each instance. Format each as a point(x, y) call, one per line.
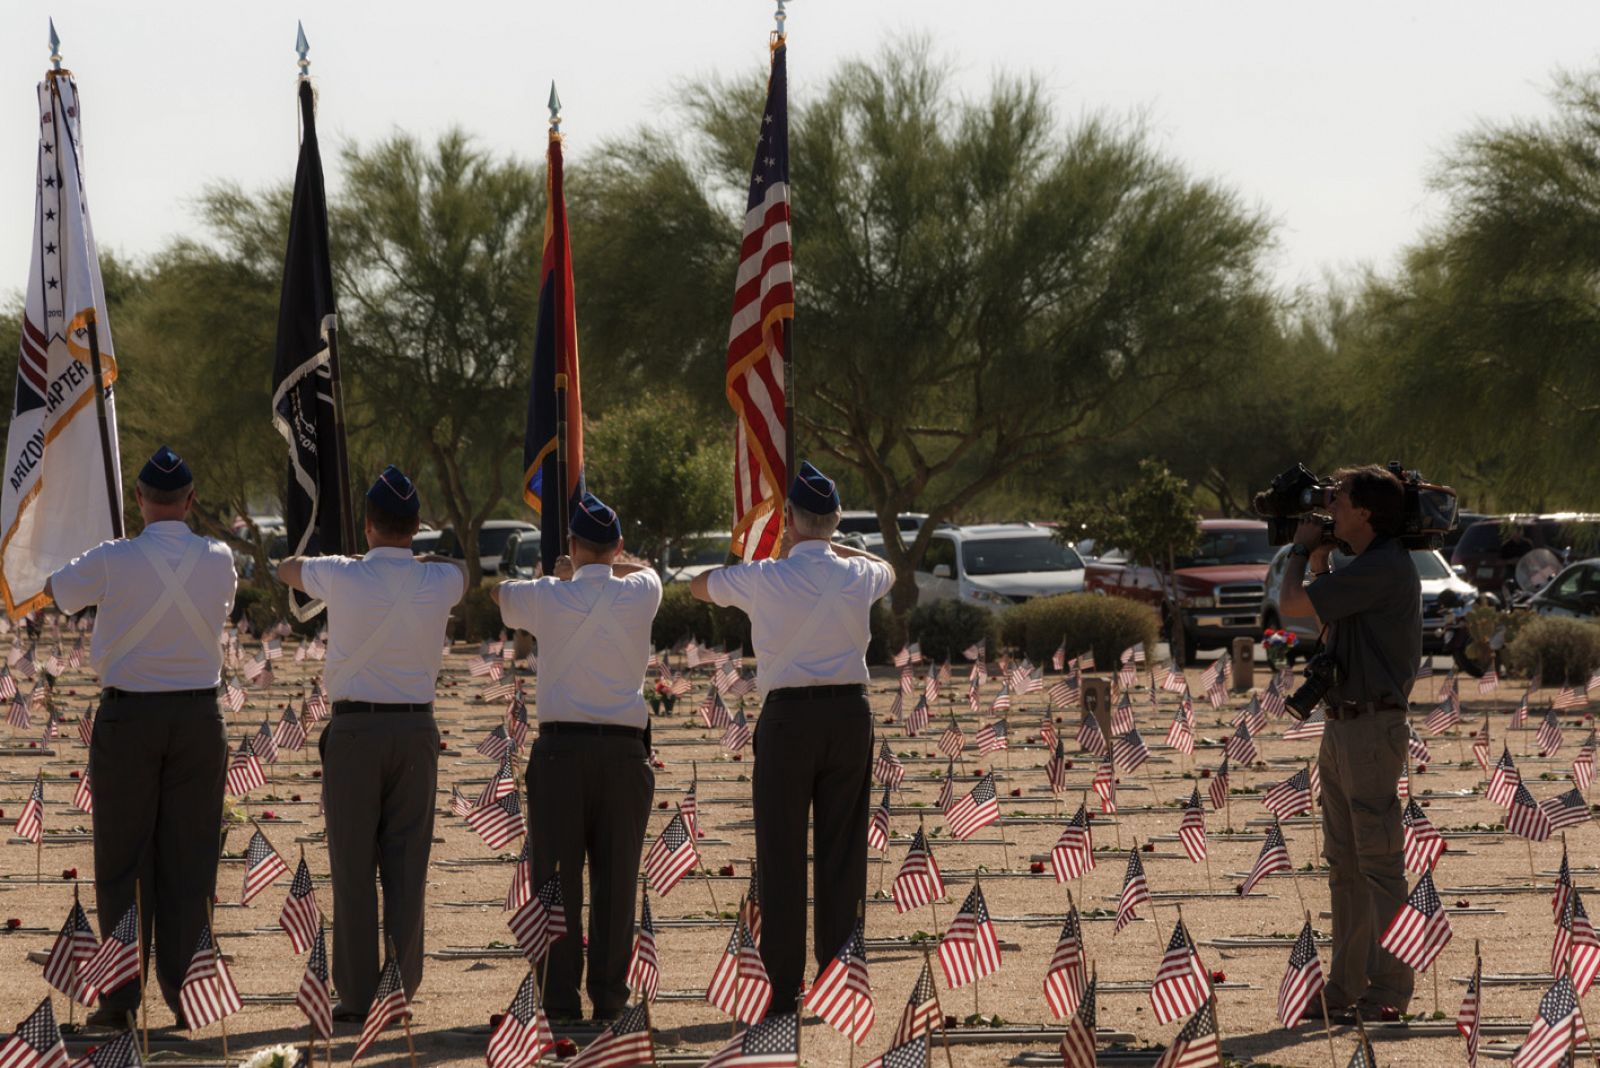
point(1329, 116)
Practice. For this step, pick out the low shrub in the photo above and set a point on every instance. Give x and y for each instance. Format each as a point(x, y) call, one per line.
point(477, 617)
point(1107, 625)
point(944, 629)
point(680, 616)
point(1565, 651)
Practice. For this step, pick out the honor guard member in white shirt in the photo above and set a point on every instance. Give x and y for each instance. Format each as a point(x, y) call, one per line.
point(589, 776)
point(808, 614)
point(159, 753)
point(387, 612)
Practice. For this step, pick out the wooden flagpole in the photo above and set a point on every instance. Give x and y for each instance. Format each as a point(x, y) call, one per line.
point(1322, 995)
point(544, 965)
point(405, 1017)
point(216, 963)
point(138, 931)
point(944, 1032)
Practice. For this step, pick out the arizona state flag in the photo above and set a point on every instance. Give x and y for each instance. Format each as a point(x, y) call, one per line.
point(302, 369)
point(54, 499)
point(555, 367)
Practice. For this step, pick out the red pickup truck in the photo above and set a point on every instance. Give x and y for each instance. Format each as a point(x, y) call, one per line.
point(1217, 588)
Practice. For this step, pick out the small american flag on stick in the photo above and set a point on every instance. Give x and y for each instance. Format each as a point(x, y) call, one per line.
point(1421, 928)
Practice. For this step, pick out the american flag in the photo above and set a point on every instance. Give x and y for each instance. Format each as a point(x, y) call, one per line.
point(541, 922)
point(1122, 716)
point(1446, 714)
point(1490, 680)
point(1556, 1030)
point(271, 649)
point(503, 782)
point(1063, 694)
point(1172, 679)
point(763, 303)
point(1055, 769)
point(1058, 659)
point(1127, 675)
point(74, 947)
point(1252, 716)
point(969, 950)
point(1583, 763)
point(255, 670)
point(115, 962)
point(496, 744)
point(1416, 747)
point(689, 807)
point(498, 690)
point(313, 997)
point(1480, 746)
point(388, 1005)
point(1180, 735)
point(1425, 669)
point(1105, 784)
point(911, 1054)
point(119, 1052)
point(878, 825)
point(1274, 857)
point(917, 722)
point(975, 651)
point(842, 994)
point(951, 739)
point(300, 918)
point(1310, 727)
point(1290, 797)
point(8, 685)
point(919, 880)
point(1576, 944)
point(739, 985)
point(1001, 702)
point(86, 725)
point(1504, 780)
point(1467, 1017)
point(976, 810)
point(713, 712)
point(291, 733)
point(1549, 736)
point(750, 908)
point(736, 735)
point(36, 1043)
point(1302, 979)
point(921, 1014)
point(1565, 810)
point(644, 967)
point(1272, 701)
point(208, 993)
point(30, 822)
point(888, 770)
point(262, 866)
point(1129, 751)
point(1569, 697)
point(500, 823)
point(1135, 892)
point(1090, 738)
point(908, 681)
point(1197, 1045)
point(316, 706)
point(930, 687)
point(947, 788)
point(1192, 831)
point(1217, 791)
point(1240, 746)
point(991, 737)
point(773, 1043)
point(671, 857)
point(482, 667)
point(523, 1034)
point(1524, 818)
point(1064, 981)
point(1421, 928)
point(517, 720)
point(244, 773)
point(1558, 900)
point(17, 715)
point(1078, 1043)
point(1073, 853)
point(1182, 982)
point(1423, 843)
point(1519, 715)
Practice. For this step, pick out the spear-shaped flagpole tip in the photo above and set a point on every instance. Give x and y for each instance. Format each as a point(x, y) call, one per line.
point(555, 109)
point(55, 45)
point(302, 46)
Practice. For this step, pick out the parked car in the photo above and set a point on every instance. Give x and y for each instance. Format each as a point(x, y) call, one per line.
point(1491, 547)
point(1574, 592)
point(863, 522)
point(1217, 588)
point(1436, 575)
point(492, 538)
point(520, 560)
point(997, 564)
point(695, 555)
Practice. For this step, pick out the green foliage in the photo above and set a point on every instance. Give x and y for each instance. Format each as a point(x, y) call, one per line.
point(946, 627)
point(1152, 518)
point(680, 616)
point(477, 617)
point(652, 461)
point(1566, 651)
point(1107, 625)
point(256, 604)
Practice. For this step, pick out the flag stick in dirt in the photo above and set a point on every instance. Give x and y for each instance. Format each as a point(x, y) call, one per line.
point(932, 904)
point(927, 963)
point(138, 921)
point(1316, 844)
point(544, 965)
point(405, 1017)
point(650, 1029)
point(1322, 995)
point(216, 958)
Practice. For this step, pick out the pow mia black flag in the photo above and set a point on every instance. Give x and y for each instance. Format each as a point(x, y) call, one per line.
point(305, 373)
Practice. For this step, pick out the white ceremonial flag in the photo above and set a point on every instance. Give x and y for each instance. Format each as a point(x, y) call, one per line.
point(53, 502)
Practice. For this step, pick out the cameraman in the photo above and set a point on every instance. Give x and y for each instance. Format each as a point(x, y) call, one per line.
point(1372, 609)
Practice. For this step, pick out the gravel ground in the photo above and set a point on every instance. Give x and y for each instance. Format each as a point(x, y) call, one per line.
point(461, 994)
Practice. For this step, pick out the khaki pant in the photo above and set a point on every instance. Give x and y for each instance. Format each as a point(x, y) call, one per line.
point(1364, 842)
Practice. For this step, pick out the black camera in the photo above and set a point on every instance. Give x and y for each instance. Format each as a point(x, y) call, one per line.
point(1428, 515)
point(1321, 673)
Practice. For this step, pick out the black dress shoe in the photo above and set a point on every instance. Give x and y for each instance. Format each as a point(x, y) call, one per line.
point(348, 1014)
point(105, 1016)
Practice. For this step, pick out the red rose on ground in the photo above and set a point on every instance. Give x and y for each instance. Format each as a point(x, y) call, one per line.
point(1148, 847)
point(1219, 976)
point(69, 873)
point(661, 804)
point(269, 814)
point(565, 1048)
point(294, 797)
point(76, 773)
point(1205, 773)
point(1031, 739)
point(1069, 764)
point(13, 923)
point(738, 756)
point(1017, 792)
point(1390, 1014)
point(316, 773)
point(1463, 903)
point(1036, 867)
point(1421, 768)
point(726, 869)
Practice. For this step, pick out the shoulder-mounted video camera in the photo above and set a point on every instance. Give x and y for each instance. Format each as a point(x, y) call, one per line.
point(1428, 515)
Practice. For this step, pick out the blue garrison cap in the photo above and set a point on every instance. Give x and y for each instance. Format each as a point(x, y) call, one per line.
point(813, 491)
point(595, 520)
point(395, 493)
point(166, 471)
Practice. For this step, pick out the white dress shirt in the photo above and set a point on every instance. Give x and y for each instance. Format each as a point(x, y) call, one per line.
point(117, 576)
point(356, 591)
point(778, 595)
point(601, 682)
